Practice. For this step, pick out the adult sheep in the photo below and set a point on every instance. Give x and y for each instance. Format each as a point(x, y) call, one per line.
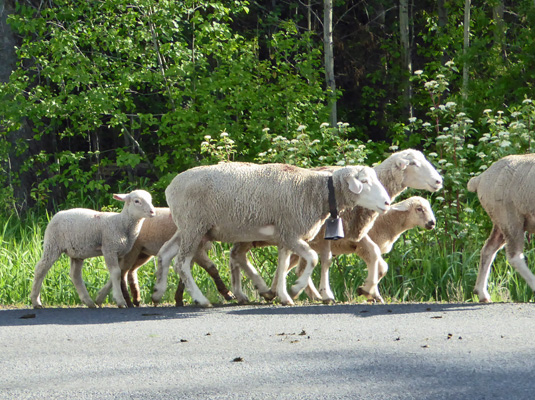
point(153, 234)
point(235, 202)
point(506, 192)
point(404, 169)
point(82, 233)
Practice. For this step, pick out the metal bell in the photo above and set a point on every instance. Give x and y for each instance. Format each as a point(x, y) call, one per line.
point(334, 229)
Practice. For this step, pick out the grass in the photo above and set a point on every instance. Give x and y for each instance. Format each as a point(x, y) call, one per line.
point(421, 268)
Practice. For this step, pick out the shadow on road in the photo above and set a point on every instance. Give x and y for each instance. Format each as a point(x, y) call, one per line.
point(111, 315)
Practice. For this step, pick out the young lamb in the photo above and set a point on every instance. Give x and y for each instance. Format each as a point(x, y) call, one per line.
point(153, 234)
point(407, 168)
point(83, 233)
point(386, 230)
point(235, 202)
point(506, 192)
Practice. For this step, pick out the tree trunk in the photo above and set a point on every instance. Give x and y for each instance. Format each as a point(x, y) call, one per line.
point(329, 58)
point(467, 4)
point(442, 24)
point(499, 29)
point(406, 61)
point(20, 143)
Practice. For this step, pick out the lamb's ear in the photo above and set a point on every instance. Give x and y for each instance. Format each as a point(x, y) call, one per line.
point(354, 184)
point(400, 207)
point(120, 197)
point(402, 163)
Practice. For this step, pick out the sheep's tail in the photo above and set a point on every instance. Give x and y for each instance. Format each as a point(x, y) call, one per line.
point(473, 183)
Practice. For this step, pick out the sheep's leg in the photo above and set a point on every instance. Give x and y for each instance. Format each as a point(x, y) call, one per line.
point(187, 250)
point(371, 254)
point(207, 264)
point(112, 262)
point(494, 243)
point(310, 290)
point(280, 276)
point(76, 277)
point(514, 249)
point(124, 289)
point(204, 261)
point(101, 296)
point(166, 254)
point(133, 282)
point(303, 250)
point(238, 262)
point(183, 264)
point(48, 259)
point(326, 258)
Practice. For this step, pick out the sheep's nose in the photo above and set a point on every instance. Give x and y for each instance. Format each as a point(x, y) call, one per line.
point(430, 224)
point(387, 203)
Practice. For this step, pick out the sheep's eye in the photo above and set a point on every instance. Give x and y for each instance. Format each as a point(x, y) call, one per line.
point(364, 181)
point(137, 201)
point(420, 209)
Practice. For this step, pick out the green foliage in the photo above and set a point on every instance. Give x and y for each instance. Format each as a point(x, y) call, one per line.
point(140, 87)
point(326, 146)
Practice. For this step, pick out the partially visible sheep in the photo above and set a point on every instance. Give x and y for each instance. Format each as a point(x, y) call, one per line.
point(506, 191)
point(387, 228)
point(235, 202)
point(153, 234)
point(82, 233)
point(407, 168)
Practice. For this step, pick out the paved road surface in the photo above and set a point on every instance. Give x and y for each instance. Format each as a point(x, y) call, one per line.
point(396, 351)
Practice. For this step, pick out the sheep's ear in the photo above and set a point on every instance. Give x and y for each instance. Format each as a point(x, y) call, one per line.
point(400, 207)
point(120, 197)
point(402, 163)
point(354, 184)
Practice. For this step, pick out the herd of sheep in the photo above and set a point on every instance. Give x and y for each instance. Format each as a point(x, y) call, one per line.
point(252, 205)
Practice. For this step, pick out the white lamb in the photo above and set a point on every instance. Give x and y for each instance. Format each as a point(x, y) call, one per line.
point(506, 191)
point(407, 168)
point(386, 230)
point(153, 234)
point(234, 202)
point(82, 233)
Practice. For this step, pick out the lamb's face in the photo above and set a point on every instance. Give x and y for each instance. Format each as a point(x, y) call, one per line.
point(422, 214)
point(419, 173)
point(363, 181)
point(139, 203)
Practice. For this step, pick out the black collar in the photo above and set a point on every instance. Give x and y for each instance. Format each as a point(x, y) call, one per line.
point(332, 198)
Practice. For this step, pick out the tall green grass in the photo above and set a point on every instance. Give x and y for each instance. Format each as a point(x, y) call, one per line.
point(422, 267)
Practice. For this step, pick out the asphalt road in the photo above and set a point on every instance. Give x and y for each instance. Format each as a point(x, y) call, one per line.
point(396, 351)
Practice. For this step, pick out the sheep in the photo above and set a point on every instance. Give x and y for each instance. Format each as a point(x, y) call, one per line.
point(506, 192)
point(407, 168)
point(82, 233)
point(387, 228)
point(153, 234)
point(234, 202)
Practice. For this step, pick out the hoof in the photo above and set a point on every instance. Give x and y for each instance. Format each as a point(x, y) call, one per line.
point(38, 306)
point(371, 298)
point(203, 305)
point(329, 301)
point(287, 303)
point(269, 295)
point(229, 296)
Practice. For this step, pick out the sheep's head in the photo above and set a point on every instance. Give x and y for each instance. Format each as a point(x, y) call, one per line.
point(419, 212)
point(363, 188)
point(418, 172)
point(138, 203)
